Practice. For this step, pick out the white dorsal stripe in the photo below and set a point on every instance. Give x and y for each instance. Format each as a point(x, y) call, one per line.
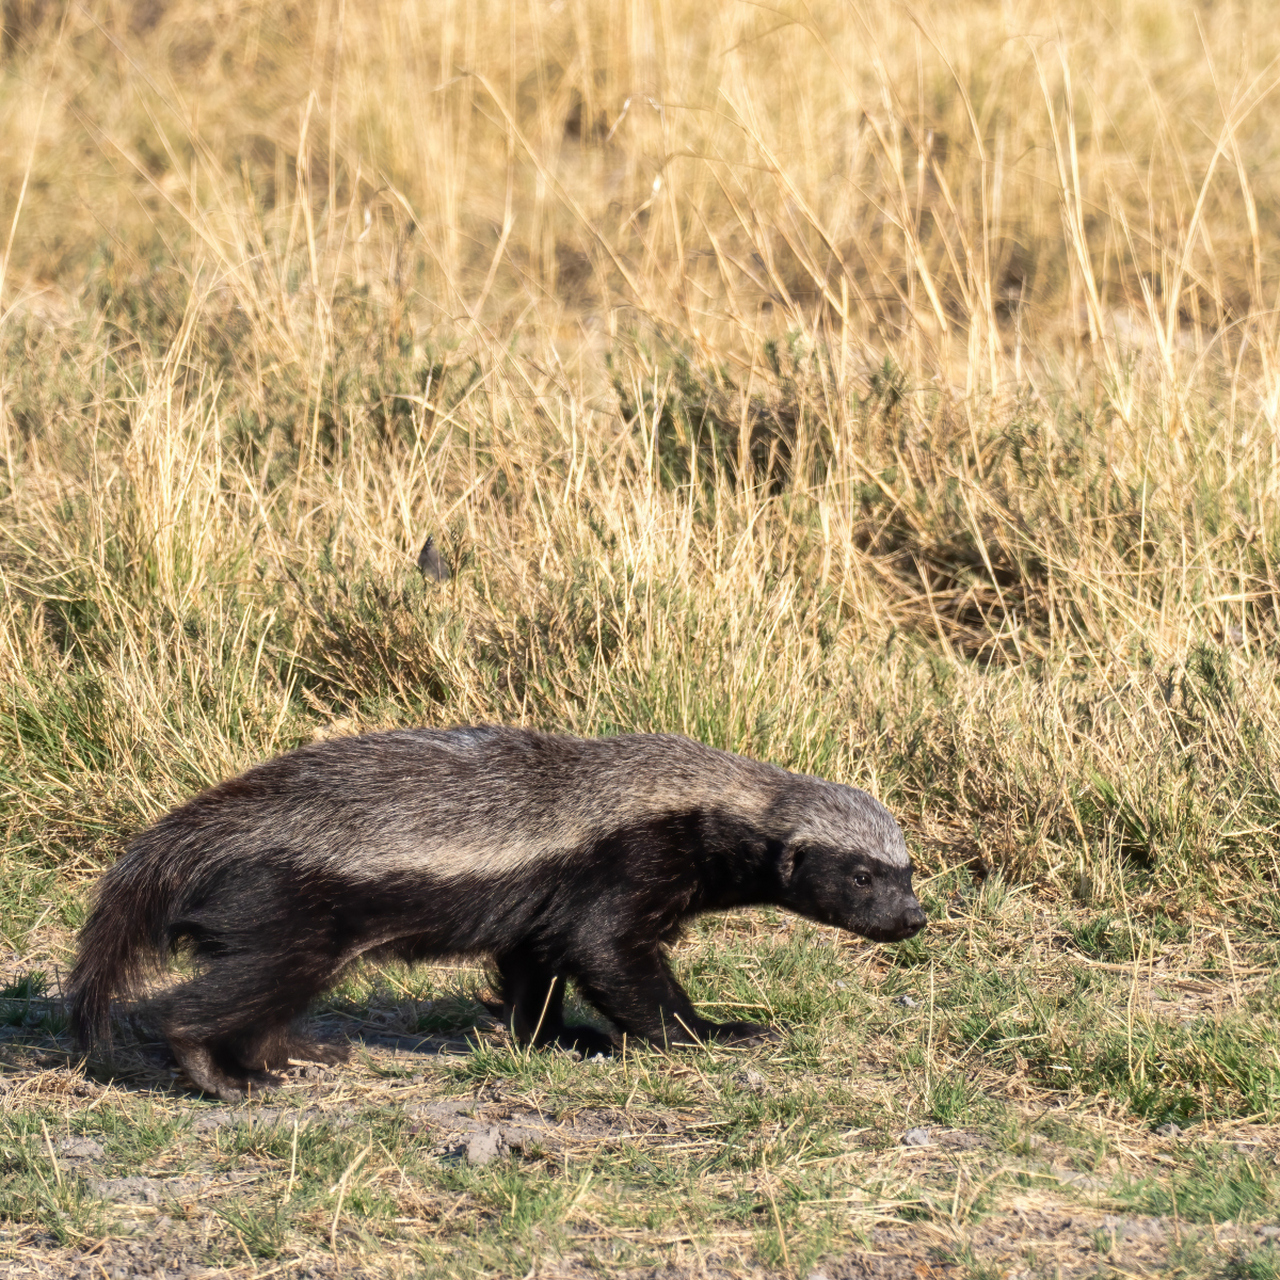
point(489, 801)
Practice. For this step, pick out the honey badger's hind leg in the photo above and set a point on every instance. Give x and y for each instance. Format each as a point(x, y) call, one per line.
point(533, 1005)
point(228, 1056)
point(231, 1026)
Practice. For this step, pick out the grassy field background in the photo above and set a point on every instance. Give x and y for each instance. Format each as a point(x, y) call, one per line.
point(888, 393)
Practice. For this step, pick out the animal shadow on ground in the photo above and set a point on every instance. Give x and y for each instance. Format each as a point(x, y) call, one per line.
point(140, 1060)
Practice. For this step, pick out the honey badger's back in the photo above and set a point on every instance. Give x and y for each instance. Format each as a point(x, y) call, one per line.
point(466, 802)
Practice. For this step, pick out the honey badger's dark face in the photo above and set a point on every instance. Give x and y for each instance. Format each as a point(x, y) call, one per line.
point(842, 860)
point(852, 890)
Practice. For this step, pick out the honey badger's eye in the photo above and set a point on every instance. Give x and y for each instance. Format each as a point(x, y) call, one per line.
point(862, 880)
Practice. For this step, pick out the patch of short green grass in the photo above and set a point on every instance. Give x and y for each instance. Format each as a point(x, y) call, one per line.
point(260, 1229)
point(34, 1188)
point(1209, 1185)
point(1254, 1264)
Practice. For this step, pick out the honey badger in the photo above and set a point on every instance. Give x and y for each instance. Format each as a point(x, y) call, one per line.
point(559, 857)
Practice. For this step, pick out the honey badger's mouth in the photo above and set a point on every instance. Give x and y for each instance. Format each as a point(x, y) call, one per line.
point(906, 926)
point(891, 935)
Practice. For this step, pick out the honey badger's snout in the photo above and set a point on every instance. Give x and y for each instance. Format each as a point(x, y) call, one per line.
point(893, 915)
point(911, 917)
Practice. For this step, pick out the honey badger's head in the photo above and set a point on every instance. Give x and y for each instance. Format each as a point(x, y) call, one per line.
point(841, 860)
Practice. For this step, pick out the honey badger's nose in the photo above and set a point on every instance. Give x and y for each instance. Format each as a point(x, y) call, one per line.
point(913, 920)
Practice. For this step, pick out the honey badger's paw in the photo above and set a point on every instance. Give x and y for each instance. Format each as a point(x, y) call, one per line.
point(587, 1041)
point(230, 1084)
point(329, 1054)
point(745, 1034)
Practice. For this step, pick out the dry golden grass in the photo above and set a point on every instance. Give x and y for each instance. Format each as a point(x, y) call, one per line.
point(889, 393)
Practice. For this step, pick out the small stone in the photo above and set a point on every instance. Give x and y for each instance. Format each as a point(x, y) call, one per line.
point(818, 1275)
point(1169, 1130)
point(961, 1140)
point(917, 1138)
point(484, 1146)
point(750, 1079)
point(1143, 1229)
point(1269, 1233)
point(80, 1149)
point(907, 1002)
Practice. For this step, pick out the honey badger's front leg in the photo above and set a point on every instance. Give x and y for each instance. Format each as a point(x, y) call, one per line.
point(632, 984)
point(533, 1005)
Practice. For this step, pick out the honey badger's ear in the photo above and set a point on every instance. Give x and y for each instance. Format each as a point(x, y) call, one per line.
point(789, 863)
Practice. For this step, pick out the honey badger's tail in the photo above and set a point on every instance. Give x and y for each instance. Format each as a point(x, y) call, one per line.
point(125, 937)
